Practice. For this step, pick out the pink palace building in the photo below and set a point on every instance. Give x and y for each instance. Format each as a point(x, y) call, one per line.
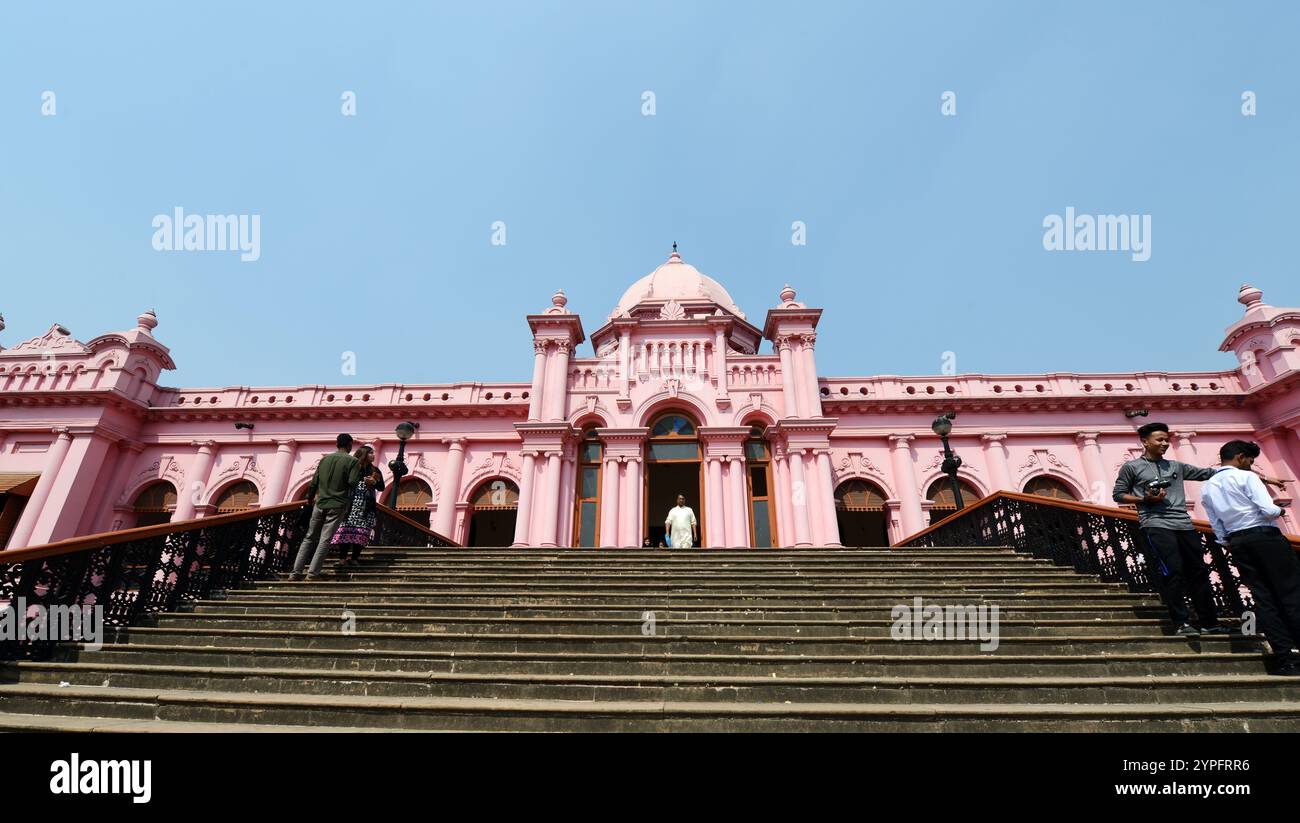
point(678, 392)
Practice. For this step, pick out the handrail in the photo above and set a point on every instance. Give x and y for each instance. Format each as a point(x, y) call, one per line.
point(435, 539)
point(1097, 540)
point(132, 574)
point(1089, 508)
point(72, 545)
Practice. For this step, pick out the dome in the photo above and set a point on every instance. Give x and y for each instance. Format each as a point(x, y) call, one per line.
point(675, 280)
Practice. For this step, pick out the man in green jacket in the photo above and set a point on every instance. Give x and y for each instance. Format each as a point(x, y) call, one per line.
point(331, 486)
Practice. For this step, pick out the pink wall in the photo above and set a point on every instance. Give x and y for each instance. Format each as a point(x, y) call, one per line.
point(92, 421)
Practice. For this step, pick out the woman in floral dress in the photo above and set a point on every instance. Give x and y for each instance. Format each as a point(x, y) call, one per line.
point(358, 527)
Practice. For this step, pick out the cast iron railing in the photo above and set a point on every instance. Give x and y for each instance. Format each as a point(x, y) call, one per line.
point(138, 572)
point(1096, 540)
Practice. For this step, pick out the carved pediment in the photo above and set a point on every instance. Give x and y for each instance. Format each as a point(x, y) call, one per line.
point(58, 340)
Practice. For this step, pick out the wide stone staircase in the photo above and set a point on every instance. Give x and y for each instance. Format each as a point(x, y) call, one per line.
point(701, 640)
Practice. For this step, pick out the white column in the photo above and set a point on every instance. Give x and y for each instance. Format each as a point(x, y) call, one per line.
point(995, 454)
point(197, 484)
point(631, 509)
point(717, 506)
point(550, 500)
point(539, 381)
point(624, 371)
point(792, 398)
point(738, 502)
point(826, 492)
point(720, 359)
point(905, 482)
point(445, 522)
point(808, 366)
point(527, 480)
point(609, 483)
point(53, 462)
point(799, 501)
point(1093, 469)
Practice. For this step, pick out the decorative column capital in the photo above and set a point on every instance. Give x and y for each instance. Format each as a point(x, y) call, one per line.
point(454, 443)
point(994, 438)
point(285, 445)
point(539, 346)
point(1087, 438)
point(204, 445)
point(900, 441)
point(783, 342)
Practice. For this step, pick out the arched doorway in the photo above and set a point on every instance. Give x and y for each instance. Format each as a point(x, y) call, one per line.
point(940, 494)
point(673, 467)
point(762, 511)
point(413, 498)
point(1045, 486)
point(237, 497)
point(586, 515)
point(154, 505)
point(860, 512)
point(494, 506)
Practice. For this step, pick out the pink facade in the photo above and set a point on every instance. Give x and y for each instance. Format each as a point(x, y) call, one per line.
point(755, 439)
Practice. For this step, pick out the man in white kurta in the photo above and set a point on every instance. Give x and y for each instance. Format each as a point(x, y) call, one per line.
point(681, 525)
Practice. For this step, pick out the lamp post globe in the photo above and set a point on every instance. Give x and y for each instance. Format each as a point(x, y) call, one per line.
point(942, 426)
point(405, 431)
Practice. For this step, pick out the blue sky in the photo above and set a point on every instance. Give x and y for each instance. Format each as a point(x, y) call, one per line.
point(924, 232)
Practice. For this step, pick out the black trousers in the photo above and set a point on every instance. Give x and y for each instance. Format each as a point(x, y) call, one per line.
point(1269, 567)
point(1177, 568)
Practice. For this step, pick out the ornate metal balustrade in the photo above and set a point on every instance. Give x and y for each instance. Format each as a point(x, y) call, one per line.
point(1091, 539)
point(134, 573)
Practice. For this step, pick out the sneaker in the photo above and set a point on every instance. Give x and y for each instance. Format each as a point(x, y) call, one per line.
point(295, 575)
point(1188, 630)
point(1288, 670)
point(1216, 629)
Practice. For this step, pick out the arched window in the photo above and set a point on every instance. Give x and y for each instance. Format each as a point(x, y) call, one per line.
point(762, 512)
point(860, 513)
point(413, 498)
point(673, 437)
point(495, 494)
point(1045, 486)
point(860, 496)
point(237, 497)
point(154, 504)
point(586, 521)
point(940, 494)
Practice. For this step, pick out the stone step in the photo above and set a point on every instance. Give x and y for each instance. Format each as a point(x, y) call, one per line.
point(649, 715)
point(1176, 661)
point(638, 602)
point(878, 642)
point(628, 626)
point(702, 566)
point(765, 577)
point(658, 590)
point(11, 723)
point(527, 686)
point(558, 611)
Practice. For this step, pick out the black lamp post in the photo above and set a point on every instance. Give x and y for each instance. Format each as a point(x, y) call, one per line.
point(943, 426)
point(398, 467)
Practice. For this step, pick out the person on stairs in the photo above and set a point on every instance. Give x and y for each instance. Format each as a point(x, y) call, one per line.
point(681, 525)
point(331, 488)
point(1173, 550)
point(1242, 513)
point(359, 523)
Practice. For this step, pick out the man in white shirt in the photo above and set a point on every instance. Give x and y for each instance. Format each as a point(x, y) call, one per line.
point(1242, 514)
point(681, 525)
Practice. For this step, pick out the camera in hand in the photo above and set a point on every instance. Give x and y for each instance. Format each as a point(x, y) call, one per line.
point(1159, 485)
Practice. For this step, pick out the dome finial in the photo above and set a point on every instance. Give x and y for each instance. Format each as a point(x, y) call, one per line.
point(1250, 297)
point(674, 257)
point(147, 322)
